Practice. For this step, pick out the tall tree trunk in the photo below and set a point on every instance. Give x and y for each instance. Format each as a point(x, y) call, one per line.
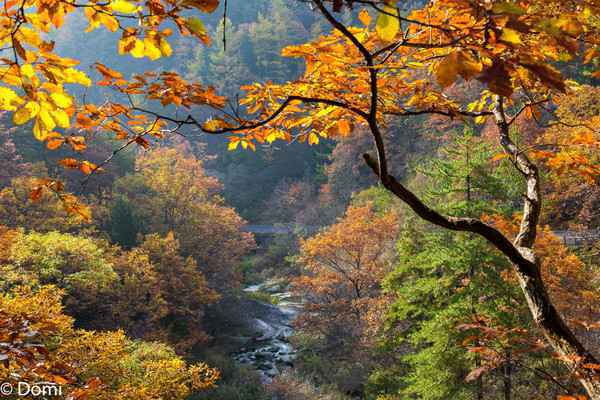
point(557, 333)
point(479, 387)
point(507, 376)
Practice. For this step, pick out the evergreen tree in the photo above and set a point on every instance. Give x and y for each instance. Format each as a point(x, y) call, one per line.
point(447, 283)
point(124, 227)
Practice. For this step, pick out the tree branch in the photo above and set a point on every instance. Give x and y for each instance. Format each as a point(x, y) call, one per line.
point(532, 206)
point(372, 115)
point(453, 223)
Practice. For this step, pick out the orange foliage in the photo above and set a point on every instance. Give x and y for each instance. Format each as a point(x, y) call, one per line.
point(344, 266)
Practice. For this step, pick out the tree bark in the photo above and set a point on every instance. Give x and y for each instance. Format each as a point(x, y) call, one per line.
point(479, 387)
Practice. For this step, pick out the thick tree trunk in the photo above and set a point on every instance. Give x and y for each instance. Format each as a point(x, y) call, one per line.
point(557, 333)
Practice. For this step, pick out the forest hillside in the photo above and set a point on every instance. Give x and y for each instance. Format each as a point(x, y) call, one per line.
point(300, 200)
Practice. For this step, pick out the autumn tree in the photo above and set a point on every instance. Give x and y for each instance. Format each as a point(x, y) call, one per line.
point(567, 184)
point(356, 76)
point(151, 292)
point(88, 364)
point(183, 288)
point(400, 69)
point(74, 263)
point(172, 193)
point(47, 214)
point(343, 267)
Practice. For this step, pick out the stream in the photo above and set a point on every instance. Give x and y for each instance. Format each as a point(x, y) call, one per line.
point(269, 350)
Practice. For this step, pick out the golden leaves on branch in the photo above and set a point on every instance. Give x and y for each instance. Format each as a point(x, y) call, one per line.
point(35, 78)
point(72, 204)
point(458, 62)
point(34, 82)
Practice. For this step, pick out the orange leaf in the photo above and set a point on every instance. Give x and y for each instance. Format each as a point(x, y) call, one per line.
point(87, 167)
point(344, 127)
point(54, 143)
point(70, 163)
point(364, 17)
point(499, 157)
point(36, 193)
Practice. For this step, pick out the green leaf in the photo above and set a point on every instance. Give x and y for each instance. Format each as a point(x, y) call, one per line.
point(195, 26)
point(387, 26)
point(508, 8)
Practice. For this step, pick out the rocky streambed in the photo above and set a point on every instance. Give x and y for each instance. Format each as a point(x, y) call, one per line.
point(269, 349)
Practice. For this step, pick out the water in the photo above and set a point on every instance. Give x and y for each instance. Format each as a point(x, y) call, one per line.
point(269, 349)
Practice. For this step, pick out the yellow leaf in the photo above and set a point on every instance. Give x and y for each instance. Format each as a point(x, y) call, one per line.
point(271, 137)
point(61, 117)
point(110, 22)
point(74, 76)
point(61, 100)
point(165, 48)
point(27, 70)
point(324, 111)
point(138, 49)
point(480, 120)
point(9, 99)
point(213, 125)
point(510, 36)
point(123, 6)
point(24, 114)
point(151, 50)
point(233, 145)
point(313, 138)
point(39, 132)
point(46, 119)
point(388, 24)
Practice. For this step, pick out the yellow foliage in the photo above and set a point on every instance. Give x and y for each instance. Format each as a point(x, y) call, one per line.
point(124, 369)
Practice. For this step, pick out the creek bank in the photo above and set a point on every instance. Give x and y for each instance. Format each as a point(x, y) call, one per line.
point(268, 350)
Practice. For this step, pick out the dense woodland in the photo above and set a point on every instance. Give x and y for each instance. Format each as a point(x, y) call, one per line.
point(413, 185)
